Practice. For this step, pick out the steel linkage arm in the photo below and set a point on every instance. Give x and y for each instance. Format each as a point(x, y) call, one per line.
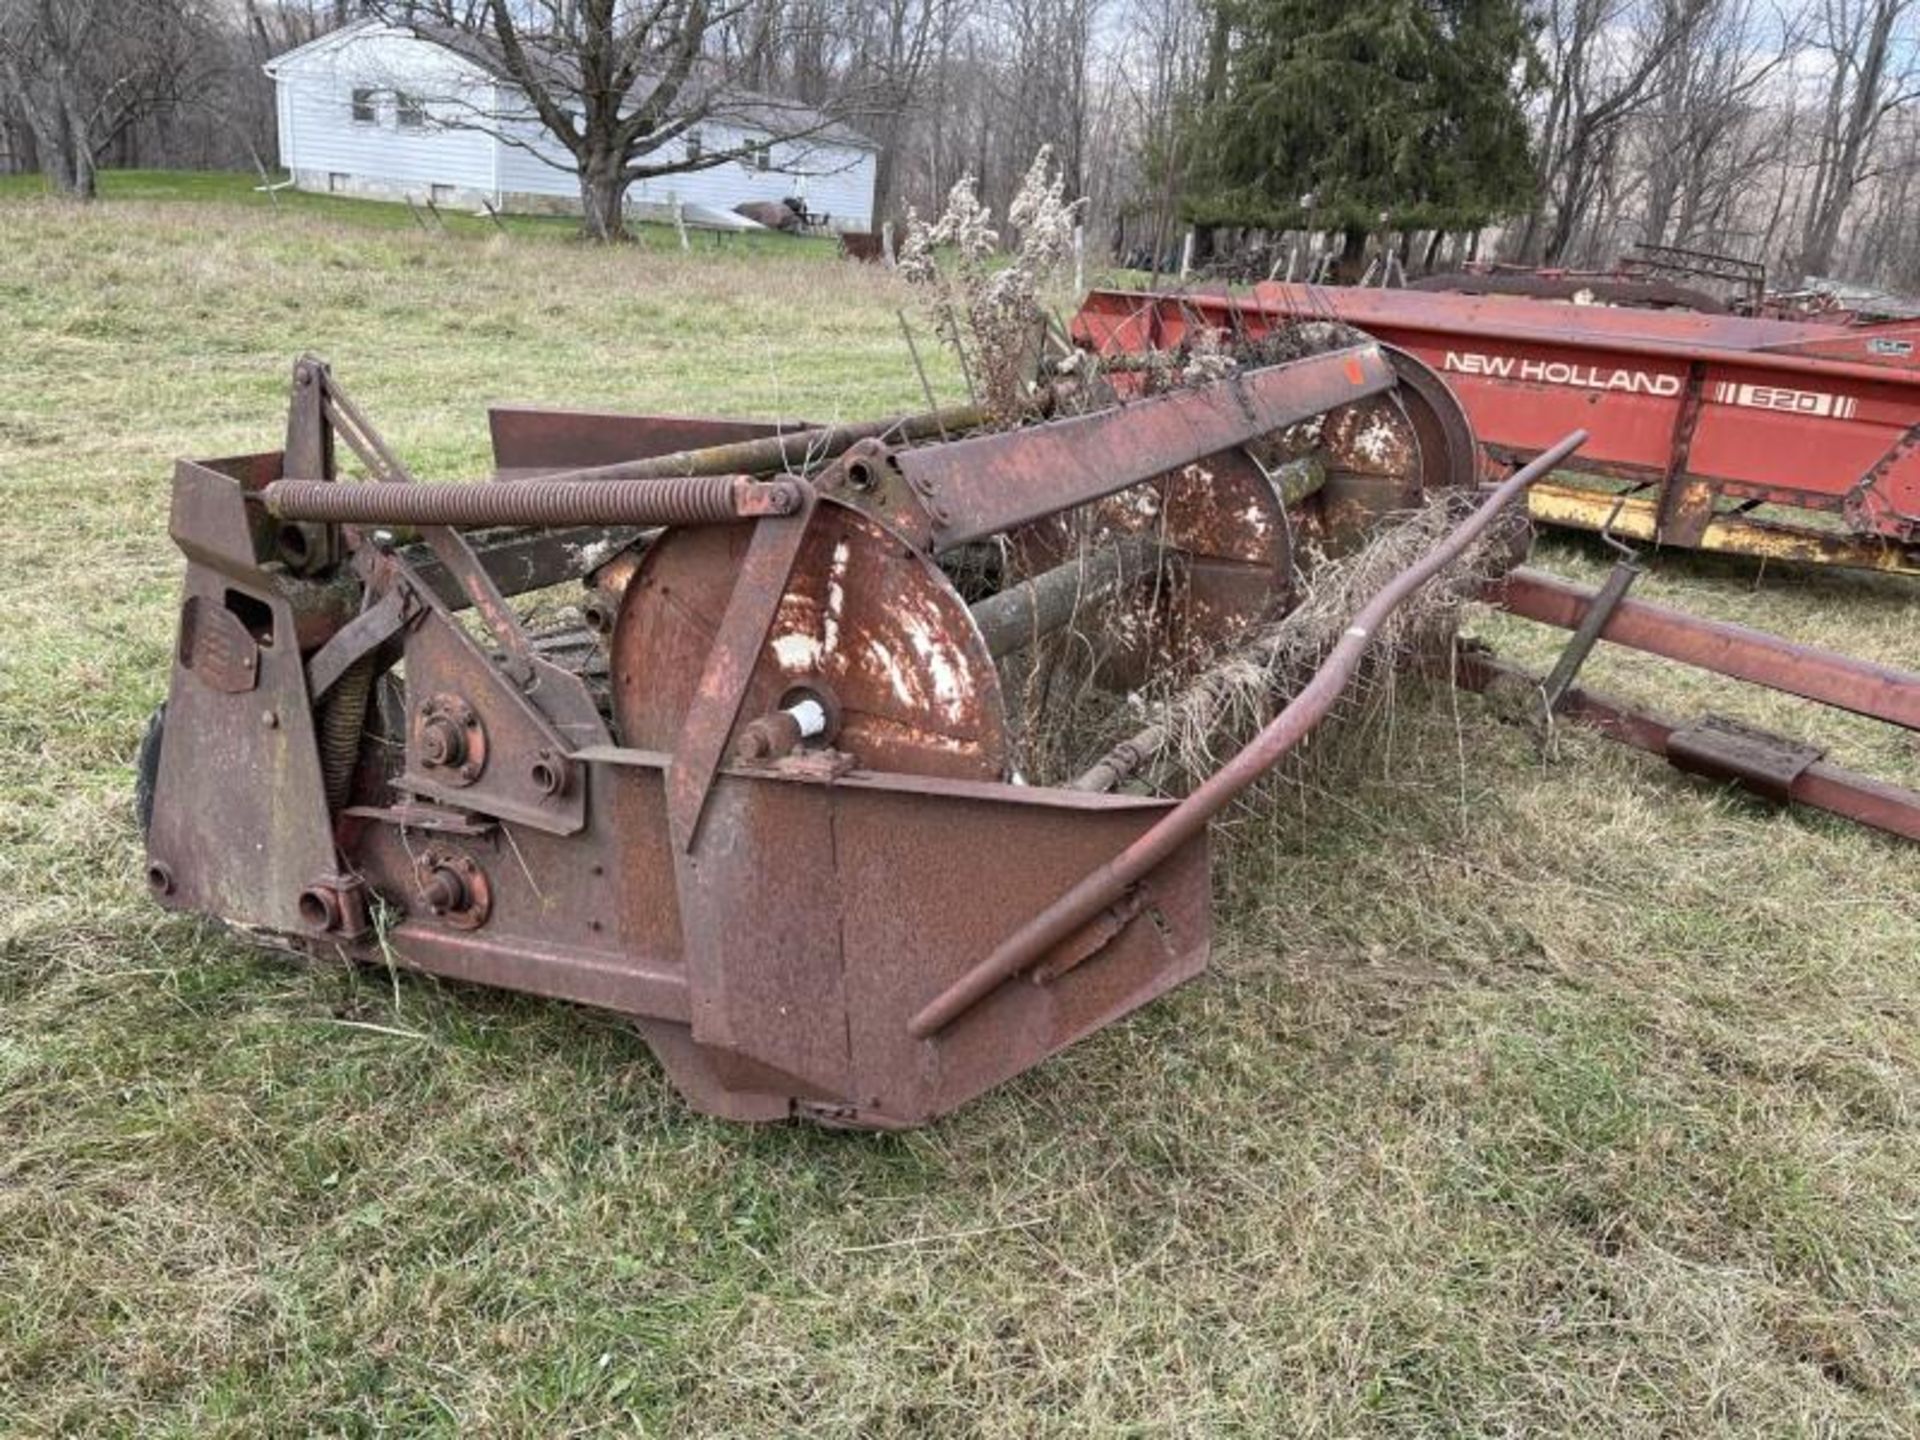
point(1109, 883)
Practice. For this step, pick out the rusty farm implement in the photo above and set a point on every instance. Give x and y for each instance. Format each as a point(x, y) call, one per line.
point(765, 800)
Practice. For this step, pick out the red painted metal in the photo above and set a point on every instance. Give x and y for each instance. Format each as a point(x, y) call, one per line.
point(1880, 691)
point(1789, 413)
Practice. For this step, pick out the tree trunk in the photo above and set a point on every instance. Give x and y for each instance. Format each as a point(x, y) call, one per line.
point(603, 200)
point(83, 185)
point(1351, 264)
point(883, 168)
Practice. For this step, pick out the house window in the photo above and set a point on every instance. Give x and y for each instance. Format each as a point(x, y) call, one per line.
point(694, 148)
point(336, 182)
point(410, 112)
point(364, 107)
point(763, 158)
point(441, 194)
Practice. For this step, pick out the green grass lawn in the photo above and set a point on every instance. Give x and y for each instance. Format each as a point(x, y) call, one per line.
point(1533, 1091)
point(230, 188)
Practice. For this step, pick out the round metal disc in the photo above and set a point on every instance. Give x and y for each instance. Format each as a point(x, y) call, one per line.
point(866, 619)
point(1449, 453)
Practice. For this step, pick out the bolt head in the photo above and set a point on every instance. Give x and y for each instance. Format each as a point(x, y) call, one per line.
point(442, 741)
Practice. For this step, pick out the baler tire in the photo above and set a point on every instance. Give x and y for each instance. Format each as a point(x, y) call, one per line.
point(146, 768)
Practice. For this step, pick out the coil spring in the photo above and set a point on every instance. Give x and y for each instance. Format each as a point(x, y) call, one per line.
point(688, 500)
point(343, 719)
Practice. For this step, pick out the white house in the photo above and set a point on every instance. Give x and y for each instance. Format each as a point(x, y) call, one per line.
point(379, 111)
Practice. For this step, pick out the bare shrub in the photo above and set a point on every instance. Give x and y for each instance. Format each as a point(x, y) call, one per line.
point(988, 309)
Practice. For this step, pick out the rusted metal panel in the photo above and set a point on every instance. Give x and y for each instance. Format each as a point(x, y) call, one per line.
point(478, 740)
point(1220, 559)
point(990, 483)
point(245, 851)
point(907, 937)
point(559, 922)
point(861, 618)
point(1719, 748)
point(216, 645)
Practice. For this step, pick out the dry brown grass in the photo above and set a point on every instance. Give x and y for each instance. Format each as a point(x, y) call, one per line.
point(1533, 1091)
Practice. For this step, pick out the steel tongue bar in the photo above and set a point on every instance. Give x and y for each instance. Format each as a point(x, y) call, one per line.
point(1107, 884)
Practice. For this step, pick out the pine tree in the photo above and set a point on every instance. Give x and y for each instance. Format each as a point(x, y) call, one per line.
point(1354, 115)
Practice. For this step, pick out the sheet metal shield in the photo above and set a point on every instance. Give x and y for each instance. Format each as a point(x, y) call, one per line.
point(864, 613)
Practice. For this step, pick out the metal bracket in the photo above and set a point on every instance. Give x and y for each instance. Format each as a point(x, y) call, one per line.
point(1756, 759)
point(1580, 644)
point(751, 609)
point(1606, 600)
point(348, 423)
point(1862, 504)
point(1686, 501)
point(359, 637)
point(1092, 938)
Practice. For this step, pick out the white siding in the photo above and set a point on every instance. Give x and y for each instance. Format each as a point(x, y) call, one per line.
point(835, 179)
point(319, 138)
point(550, 171)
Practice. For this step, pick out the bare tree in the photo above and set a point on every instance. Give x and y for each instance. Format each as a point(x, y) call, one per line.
point(1602, 57)
point(1703, 151)
point(899, 45)
point(1869, 47)
point(81, 72)
point(615, 84)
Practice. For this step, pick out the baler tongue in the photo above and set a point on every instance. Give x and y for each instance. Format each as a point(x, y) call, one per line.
point(765, 801)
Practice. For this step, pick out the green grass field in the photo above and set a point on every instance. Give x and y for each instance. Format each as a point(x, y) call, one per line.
point(1534, 1091)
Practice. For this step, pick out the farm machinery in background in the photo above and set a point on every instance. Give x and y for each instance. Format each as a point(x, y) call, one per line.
point(765, 798)
point(1771, 438)
point(1649, 277)
point(1669, 277)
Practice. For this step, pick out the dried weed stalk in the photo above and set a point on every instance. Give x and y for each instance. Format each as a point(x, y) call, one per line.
point(1191, 722)
point(988, 309)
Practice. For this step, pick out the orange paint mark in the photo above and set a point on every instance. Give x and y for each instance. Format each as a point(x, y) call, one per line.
point(1354, 373)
